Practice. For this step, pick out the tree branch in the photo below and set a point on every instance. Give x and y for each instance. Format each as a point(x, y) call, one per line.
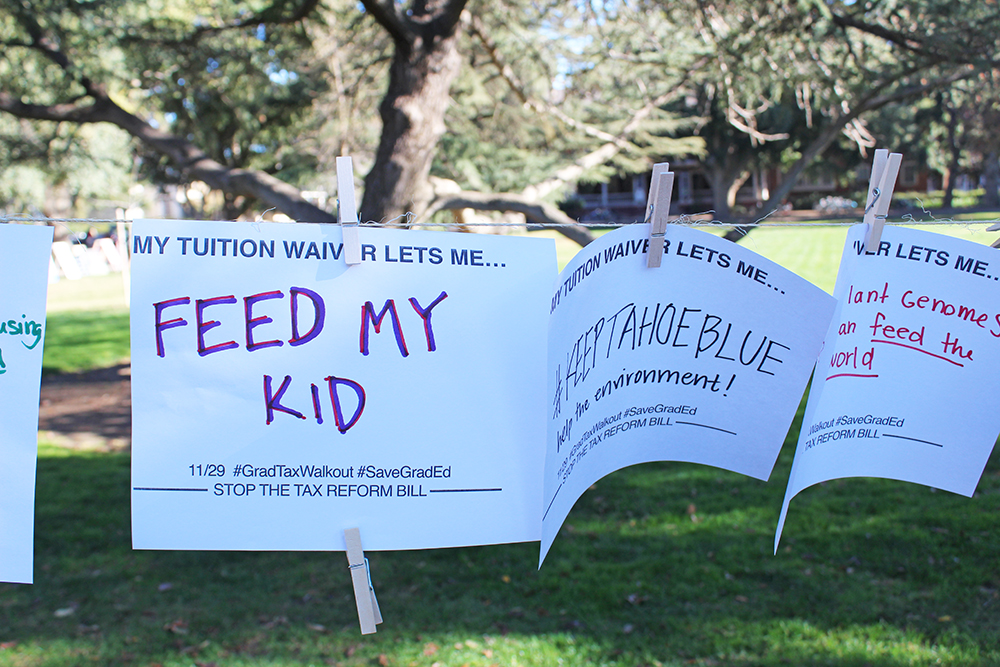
point(40, 42)
point(600, 155)
point(830, 133)
point(477, 29)
point(58, 113)
point(960, 52)
point(272, 15)
point(540, 213)
point(385, 15)
point(188, 158)
point(447, 17)
point(613, 145)
point(908, 42)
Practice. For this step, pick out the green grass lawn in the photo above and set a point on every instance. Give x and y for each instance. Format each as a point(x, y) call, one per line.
point(83, 340)
point(658, 564)
point(93, 293)
point(86, 324)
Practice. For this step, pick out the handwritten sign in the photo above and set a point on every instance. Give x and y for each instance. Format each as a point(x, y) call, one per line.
point(280, 397)
point(916, 334)
point(704, 360)
point(23, 284)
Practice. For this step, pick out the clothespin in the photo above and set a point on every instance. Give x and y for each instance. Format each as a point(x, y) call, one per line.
point(364, 594)
point(885, 168)
point(347, 210)
point(661, 187)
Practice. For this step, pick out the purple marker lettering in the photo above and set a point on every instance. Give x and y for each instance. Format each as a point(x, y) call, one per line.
point(159, 326)
point(368, 314)
point(253, 322)
point(199, 309)
point(425, 315)
point(338, 413)
point(319, 315)
point(272, 401)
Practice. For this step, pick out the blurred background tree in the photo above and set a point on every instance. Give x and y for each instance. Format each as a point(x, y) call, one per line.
point(454, 104)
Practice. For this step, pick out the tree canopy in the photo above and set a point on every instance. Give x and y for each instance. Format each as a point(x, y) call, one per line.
point(463, 104)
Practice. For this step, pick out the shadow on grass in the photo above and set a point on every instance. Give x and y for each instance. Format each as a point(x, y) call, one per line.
point(82, 340)
point(659, 564)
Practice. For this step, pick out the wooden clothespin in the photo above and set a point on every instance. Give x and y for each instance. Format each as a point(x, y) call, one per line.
point(347, 210)
point(364, 593)
point(661, 187)
point(885, 168)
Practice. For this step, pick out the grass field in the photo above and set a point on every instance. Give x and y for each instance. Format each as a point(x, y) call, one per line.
point(86, 324)
point(814, 252)
point(659, 564)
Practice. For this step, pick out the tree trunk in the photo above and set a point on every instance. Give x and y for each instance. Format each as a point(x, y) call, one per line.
point(719, 180)
point(991, 181)
point(412, 111)
point(952, 171)
point(734, 188)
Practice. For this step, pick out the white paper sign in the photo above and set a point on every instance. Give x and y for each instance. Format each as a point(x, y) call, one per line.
point(280, 397)
point(23, 283)
point(704, 359)
point(914, 341)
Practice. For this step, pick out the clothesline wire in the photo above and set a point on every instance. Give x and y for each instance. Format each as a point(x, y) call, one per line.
point(684, 220)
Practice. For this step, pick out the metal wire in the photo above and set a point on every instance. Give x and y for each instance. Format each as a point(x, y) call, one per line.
point(689, 220)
